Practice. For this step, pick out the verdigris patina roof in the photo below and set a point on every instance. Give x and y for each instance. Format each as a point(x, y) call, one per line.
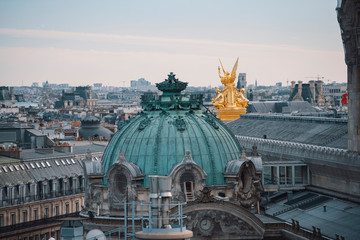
point(157, 138)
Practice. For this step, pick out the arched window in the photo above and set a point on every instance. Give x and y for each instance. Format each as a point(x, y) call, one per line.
point(121, 182)
point(187, 182)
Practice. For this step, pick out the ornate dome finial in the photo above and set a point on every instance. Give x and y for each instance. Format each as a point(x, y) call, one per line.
point(171, 85)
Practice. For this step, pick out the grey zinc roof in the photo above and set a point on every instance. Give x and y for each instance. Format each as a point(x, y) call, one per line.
point(279, 107)
point(39, 170)
point(341, 217)
point(329, 132)
point(66, 168)
point(14, 177)
point(82, 149)
point(40, 167)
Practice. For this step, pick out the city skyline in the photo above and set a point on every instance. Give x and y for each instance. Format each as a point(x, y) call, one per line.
point(88, 42)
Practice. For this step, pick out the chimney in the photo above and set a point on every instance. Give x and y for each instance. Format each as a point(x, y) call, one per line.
point(292, 85)
point(312, 90)
point(300, 88)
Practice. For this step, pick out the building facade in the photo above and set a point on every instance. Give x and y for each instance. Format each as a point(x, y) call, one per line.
point(35, 194)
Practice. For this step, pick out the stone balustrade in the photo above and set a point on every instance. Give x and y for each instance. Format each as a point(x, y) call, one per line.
point(302, 151)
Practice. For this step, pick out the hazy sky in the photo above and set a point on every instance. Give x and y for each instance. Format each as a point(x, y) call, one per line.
point(113, 42)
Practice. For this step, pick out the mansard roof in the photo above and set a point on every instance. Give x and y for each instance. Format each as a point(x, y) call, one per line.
point(327, 132)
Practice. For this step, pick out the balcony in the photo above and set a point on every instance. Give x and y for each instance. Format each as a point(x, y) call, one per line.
point(31, 198)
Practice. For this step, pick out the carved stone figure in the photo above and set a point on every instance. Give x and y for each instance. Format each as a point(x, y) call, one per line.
point(229, 103)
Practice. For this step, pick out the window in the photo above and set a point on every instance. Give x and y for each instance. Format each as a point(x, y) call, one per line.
point(63, 162)
point(43, 164)
point(22, 167)
point(187, 180)
point(11, 168)
point(57, 210)
point(38, 165)
point(67, 160)
point(24, 216)
point(72, 160)
point(57, 163)
point(282, 174)
point(27, 166)
point(32, 165)
point(47, 163)
point(36, 212)
point(1, 220)
point(67, 208)
point(221, 194)
point(13, 218)
point(46, 214)
point(189, 193)
point(5, 169)
point(77, 206)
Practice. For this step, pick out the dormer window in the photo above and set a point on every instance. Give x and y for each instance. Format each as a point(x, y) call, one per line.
point(27, 166)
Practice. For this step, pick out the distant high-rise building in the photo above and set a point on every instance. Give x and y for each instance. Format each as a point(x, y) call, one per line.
point(141, 82)
point(241, 81)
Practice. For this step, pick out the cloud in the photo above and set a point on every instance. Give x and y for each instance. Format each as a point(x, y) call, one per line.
point(113, 59)
point(147, 41)
point(113, 68)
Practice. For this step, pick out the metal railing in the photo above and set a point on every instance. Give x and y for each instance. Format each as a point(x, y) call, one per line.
point(42, 221)
point(30, 198)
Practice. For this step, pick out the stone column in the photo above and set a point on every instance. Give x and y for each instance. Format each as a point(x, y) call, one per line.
point(348, 12)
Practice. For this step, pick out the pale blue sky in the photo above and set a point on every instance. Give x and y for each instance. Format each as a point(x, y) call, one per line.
point(83, 42)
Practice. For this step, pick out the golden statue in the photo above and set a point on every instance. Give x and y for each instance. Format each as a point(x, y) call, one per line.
point(230, 103)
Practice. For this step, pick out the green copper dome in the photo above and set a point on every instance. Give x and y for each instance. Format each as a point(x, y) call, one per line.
point(157, 138)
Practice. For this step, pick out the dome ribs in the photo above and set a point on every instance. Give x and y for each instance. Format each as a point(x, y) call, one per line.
point(214, 179)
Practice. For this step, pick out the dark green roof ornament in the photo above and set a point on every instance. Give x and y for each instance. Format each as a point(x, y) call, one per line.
point(171, 85)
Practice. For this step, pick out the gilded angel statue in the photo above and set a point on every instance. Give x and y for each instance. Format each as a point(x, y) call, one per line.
point(228, 79)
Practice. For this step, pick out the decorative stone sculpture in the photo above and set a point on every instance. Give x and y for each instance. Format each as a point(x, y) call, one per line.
point(230, 103)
